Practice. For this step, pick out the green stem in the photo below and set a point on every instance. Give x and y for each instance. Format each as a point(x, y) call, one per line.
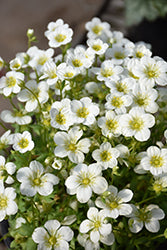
point(3, 126)
point(150, 198)
point(14, 106)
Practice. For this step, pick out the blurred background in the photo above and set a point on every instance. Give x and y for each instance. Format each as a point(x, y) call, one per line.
point(138, 20)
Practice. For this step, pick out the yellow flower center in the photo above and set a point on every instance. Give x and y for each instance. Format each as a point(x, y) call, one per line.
point(105, 155)
point(11, 81)
point(136, 123)
point(77, 63)
point(71, 147)
point(96, 47)
point(119, 55)
point(3, 202)
point(157, 187)
point(121, 87)
point(107, 72)
point(82, 112)
point(85, 181)
point(60, 118)
point(16, 65)
point(156, 161)
point(113, 204)
point(143, 215)
point(152, 71)
point(37, 181)
point(97, 29)
point(139, 54)
point(111, 124)
point(42, 60)
point(117, 101)
point(52, 74)
point(52, 240)
point(23, 143)
point(141, 100)
point(60, 38)
point(69, 74)
point(97, 224)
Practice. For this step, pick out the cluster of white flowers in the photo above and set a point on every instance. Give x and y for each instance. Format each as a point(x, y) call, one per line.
point(82, 123)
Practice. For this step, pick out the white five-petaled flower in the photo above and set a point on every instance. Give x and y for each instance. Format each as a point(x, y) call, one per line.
point(33, 94)
point(10, 83)
point(85, 179)
point(23, 142)
point(68, 145)
point(148, 216)
point(106, 156)
point(84, 111)
point(61, 115)
point(115, 202)
point(151, 71)
point(6, 170)
point(52, 236)
point(137, 123)
point(155, 161)
point(35, 180)
point(118, 102)
point(95, 224)
point(145, 98)
point(110, 124)
point(7, 204)
point(97, 46)
point(108, 71)
point(60, 36)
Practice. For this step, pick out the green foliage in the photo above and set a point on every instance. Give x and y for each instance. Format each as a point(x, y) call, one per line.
point(137, 10)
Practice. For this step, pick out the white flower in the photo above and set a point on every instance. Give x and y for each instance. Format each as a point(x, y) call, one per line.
point(160, 183)
point(77, 59)
point(19, 222)
point(35, 180)
point(61, 115)
point(148, 216)
point(118, 53)
point(51, 72)
point(123, 85)
point(108, 71)
point(6, 138)
point(151, 71)
point(106, 156)
point(6, 170)
point(10, 82)
point(36, 91)
point(52, 236)
point(110, 124)
point(141, 50)
point(137, 123)
point(39, 58)
point(57, 164)
point(23, 142)
point(60, 36)
point(155, 161)
point(14, 116)
point(95, 224)
point(7, 204)
point(68, 145)
point(97, 46)
point(15, 64)
point(145, 98)
point(115, 202)
point(118, 102)
point(85, 179)
point(84, 111)
point(53, 25)
point(97, 29)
